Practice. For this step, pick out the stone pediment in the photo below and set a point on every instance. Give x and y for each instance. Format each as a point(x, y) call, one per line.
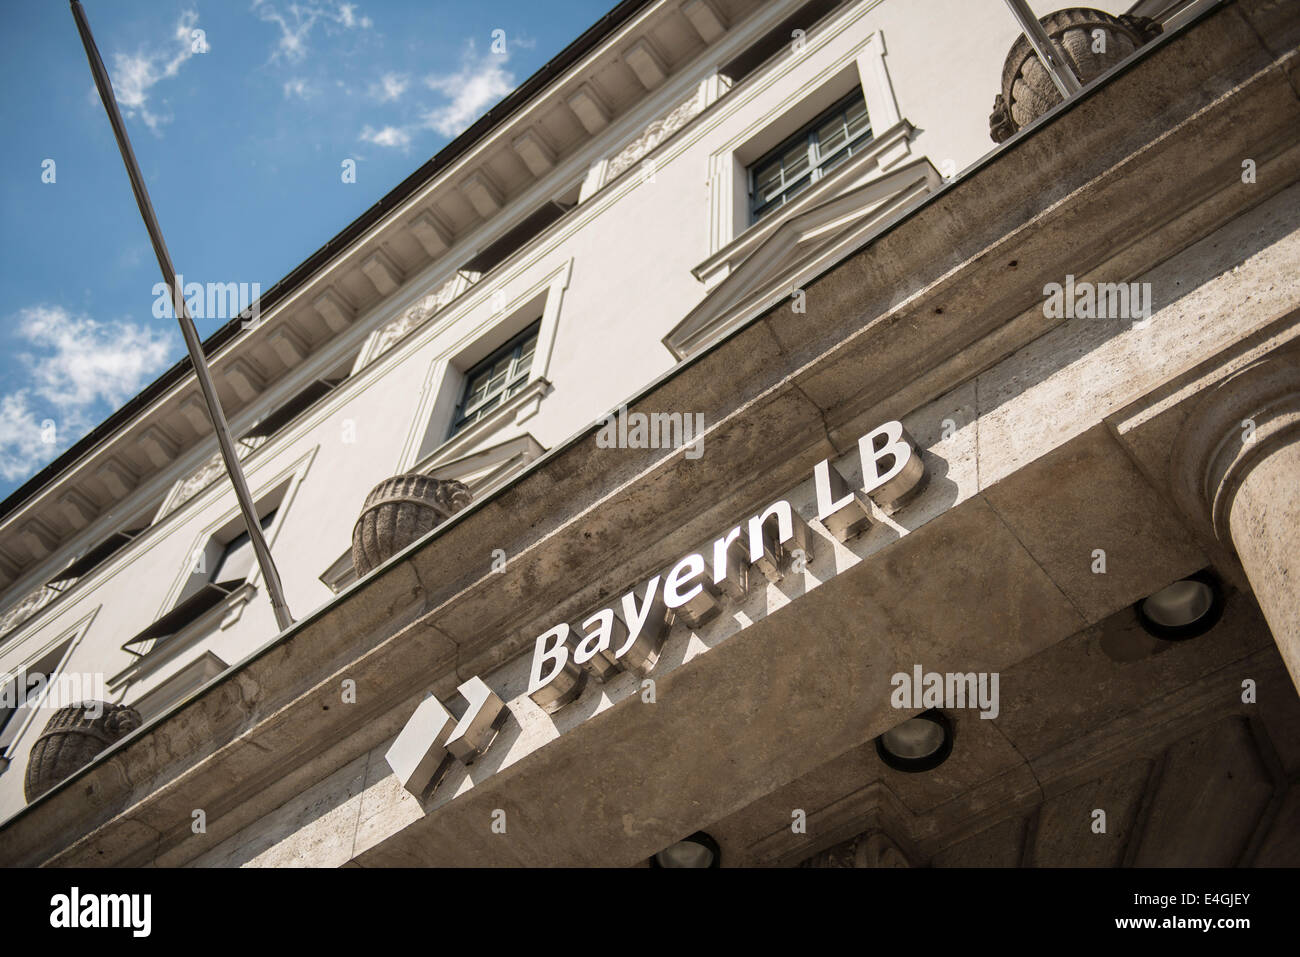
point(797, 250)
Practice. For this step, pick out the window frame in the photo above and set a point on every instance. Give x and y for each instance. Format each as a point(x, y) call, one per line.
point(198, 593)
point(809, 134)
point(517, 377)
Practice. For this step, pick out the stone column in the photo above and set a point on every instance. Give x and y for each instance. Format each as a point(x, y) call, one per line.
point(1237, 467)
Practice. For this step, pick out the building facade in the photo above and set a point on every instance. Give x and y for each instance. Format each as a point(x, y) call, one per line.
point(801, 466)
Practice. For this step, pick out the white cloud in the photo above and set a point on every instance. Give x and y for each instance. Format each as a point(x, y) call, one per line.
point(477, 85)
point(390, 87)
point(298, 20)
point(135, 75)
point(390, 136)
point(348, 17)
point(297, 87)
point(23, 448)
point(76, 371)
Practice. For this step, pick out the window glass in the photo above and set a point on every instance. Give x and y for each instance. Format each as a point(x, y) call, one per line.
point(11, 715)
point(808, 155)
point(497, 378)
point(237, 559)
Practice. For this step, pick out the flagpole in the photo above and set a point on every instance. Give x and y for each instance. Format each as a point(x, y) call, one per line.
point(104, 85)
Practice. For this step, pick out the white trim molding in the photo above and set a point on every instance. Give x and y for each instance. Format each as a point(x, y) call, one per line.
point(440, 392)
point(819, 229)
point(863, 66)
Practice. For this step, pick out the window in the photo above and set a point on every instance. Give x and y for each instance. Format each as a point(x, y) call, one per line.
point(101, 552)
point(496, 378)
point(808, 155)
point(17, 703)
point(218, 571)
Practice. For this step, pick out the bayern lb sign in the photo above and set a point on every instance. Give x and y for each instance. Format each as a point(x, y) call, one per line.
point(628, 635)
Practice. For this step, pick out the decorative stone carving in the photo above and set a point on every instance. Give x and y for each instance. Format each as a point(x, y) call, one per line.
point(207, 473)
point(400, 510)
point(1027, 88)
point(30, 605)
point(872, 849)
point(204, 476)
point(71, 740)
point(418, 314)
point(654, 134)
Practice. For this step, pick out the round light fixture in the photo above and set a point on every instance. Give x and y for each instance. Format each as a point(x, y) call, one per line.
point(1189, 607)
point(698, 850)
point(918, 744)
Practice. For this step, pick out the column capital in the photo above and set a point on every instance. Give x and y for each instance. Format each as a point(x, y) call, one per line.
point(1237, 424)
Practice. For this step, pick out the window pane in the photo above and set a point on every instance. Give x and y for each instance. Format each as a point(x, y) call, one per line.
point(834, 161)
point(795, 161)
point(237, 558)
point(766, 178)
point(498, 378)
point(857, 118)
point(831, 137)
point(525, 360)
point(495, 379)
point(798, 188)
point(824, 144)
point(477, 385)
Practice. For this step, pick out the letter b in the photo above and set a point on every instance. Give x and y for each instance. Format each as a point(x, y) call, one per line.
point(563, 681)
point(891, 446)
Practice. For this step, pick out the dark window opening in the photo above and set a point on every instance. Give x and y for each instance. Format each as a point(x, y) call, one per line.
point(779, 37)
point(100, 553)
point(11, 714)
point(533, 225)
point(205, 590)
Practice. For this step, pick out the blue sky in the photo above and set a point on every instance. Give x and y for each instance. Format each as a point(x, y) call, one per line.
point(241, 144)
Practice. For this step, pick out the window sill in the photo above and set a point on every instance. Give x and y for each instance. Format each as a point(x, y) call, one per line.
point(520, 407)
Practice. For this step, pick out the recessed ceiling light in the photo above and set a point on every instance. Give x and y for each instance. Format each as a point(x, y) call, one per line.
point(698, 850)
point(1189, 607)
point(918, 744)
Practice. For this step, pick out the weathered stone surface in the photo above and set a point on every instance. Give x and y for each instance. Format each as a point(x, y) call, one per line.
point(1092, 42)
point(400, 510)
point(1213, 788)
point(71, 739)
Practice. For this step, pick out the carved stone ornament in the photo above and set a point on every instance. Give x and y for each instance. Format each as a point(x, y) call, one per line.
point(872, 849)
point(1092, 42)
point(212, 469)
point(26, 608)
point(400, 510)
point(656, 133)
point(71, 740)
point(418, 313)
